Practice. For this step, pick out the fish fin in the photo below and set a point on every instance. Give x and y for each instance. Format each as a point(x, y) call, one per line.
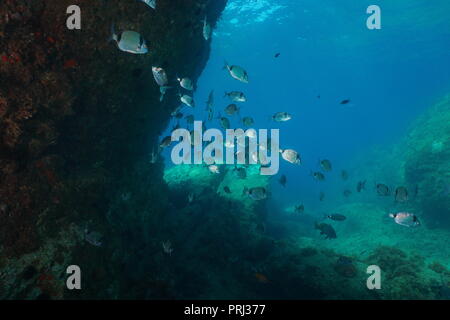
point(225, 65)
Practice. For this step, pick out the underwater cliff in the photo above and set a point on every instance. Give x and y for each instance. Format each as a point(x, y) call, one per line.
point(78, 122)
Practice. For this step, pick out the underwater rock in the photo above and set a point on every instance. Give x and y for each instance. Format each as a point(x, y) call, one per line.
point(77, 118)
point(345, 267)
point(427, 164)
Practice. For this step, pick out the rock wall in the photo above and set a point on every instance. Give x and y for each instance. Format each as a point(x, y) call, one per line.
point(427, 164)
point(78, 121)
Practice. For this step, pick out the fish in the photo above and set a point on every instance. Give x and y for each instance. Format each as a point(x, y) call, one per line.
point(277, 55)
point(190, 197)
point(187, 100)
point(327, 230)
point(178, 115)
point(283, 180)
point(206, 30)
point(236, 96)
point(321, 196)
point(261, 278)
point(210, 101)
point(291, 156)
point(229, 144)
point(226, 189)
point(248, 121)
point(160, 76)
point(382, 189)
point(165, 142)
point(93, 237)
point(256, 193)
point(345, 101)
point(405, 219)
point(214, 169)
point(237, 72)
point(210, 115)
point(344, 175)
point(224, 122)
point(319, 176)
point(163, 90)
point(186, 83)
point(154, 157)
point(251, 134)
point(240, 172)
point(129, 41)
point(347, 193)
point(189, 119)
point(336, 217)
point(361, 186)
point(326, 165)
point(299, 208)
point(342, 260)
point(281, 117)
point(167, 247)
point(231, 109)
point(69, 64)
point(401, 194)
point(150, 3)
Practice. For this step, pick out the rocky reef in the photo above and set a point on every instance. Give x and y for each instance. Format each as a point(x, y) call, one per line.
point(427, 164)
point(78, 122)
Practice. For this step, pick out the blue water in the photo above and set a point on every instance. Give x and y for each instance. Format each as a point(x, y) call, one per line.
point(391, 75)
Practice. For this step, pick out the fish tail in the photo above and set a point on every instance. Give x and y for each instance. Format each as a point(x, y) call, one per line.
point(225, 65)
point(113, 35)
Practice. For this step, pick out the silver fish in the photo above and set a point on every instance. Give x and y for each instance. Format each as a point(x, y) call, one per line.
point(129, 41)
point(165, 142)
point(150, 3)
point(210, 105)
point(167, 247)
point(405, 219)
point(237, 72)
point(231, 109)
point(326, 165)
point(210, 102)
point(319, 176)
point(163, 90)
point(206, 30)
point(187, 100)
point(186, 83)
point(236, 96)
point(291, 156)
point(257, 193)
point(247, 121)
point(160, 76)
point(401, 194)
point(93, 237)
point(224, 122)
point(214, 169)
point(382, 189)
point(281, 117)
